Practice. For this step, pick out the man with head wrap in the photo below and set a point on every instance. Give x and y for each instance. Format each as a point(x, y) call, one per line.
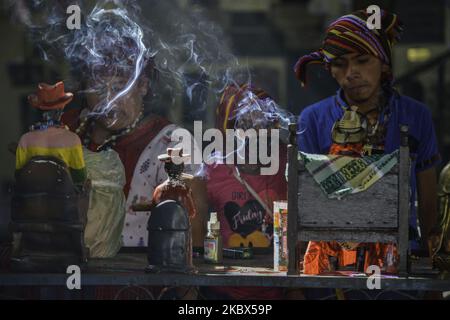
point(360, 59)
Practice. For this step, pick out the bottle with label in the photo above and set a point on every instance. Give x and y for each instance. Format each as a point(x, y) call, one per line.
point(280, 254)
point(213, 241)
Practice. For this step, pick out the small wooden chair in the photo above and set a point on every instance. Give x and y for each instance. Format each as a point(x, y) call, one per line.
point(379, 214)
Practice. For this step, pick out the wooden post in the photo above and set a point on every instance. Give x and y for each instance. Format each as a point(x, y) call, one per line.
point(404, 205)
point(292, 234)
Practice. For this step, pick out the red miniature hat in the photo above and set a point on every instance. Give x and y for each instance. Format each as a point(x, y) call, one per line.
point(50, 97)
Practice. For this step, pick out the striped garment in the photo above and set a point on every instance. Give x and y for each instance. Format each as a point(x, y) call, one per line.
point(350, 34)
point(55, 142)
point(339, 176)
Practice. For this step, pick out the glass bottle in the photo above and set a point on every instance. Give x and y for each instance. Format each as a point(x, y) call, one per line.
point(213, 241)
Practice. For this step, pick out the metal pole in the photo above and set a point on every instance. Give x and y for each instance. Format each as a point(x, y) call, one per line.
point(404, 205)
point(292, 200)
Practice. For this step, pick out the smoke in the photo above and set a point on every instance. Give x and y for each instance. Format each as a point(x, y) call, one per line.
point(252, 113)
point(110, 47)
point(260, 113)
point(182, 53)
point(188, 51)
point(193, 55)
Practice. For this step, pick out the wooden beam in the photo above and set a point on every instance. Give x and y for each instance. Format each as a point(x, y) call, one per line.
point(404, 205)
point(292, 200)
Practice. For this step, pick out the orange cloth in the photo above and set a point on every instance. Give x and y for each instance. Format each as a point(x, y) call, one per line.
point(317, 254)
point(351, 150)
point(316, 260)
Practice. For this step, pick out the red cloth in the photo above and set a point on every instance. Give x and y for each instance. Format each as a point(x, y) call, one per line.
point(131, 146)
point(128, 147)
point(241, 216)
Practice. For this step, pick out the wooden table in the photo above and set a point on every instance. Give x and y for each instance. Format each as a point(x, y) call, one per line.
point(128, 270)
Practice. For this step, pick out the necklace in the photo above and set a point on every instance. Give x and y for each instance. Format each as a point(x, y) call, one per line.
point(47, 124)
point(109, 142)
point(176, 181)
point(376, 129)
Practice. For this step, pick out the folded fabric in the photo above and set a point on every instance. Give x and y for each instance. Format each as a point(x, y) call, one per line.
point(106, 214)
point(339, 176)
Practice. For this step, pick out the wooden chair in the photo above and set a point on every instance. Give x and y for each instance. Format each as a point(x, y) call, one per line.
point(379, 214)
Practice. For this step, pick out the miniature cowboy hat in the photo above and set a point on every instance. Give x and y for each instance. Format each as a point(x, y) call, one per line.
point(174, 155)
point(50, 97)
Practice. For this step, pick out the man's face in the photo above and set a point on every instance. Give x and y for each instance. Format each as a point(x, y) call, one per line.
point(359, 75)
point(123, 111)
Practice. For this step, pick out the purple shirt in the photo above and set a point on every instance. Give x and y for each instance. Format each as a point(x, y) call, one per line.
point(316, 122)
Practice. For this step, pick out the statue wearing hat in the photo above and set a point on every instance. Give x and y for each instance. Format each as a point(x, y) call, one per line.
point(174, 188)
point(169, 226)
point(49, 137)
point(104, 170)
point(51, 193)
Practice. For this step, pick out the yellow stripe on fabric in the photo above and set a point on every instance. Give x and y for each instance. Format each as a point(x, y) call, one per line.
point(72, 157)
point(336, 32)
point(227, 111)
point(391, 25)
point(220, 103)
point(21, 158)
point(326, 53)
point(342, 26)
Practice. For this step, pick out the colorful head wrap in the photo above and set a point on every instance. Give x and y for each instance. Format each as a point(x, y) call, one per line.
point(228, 109)
point(350, 34)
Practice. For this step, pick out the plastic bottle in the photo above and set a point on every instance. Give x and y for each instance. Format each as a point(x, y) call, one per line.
point(213, 241)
